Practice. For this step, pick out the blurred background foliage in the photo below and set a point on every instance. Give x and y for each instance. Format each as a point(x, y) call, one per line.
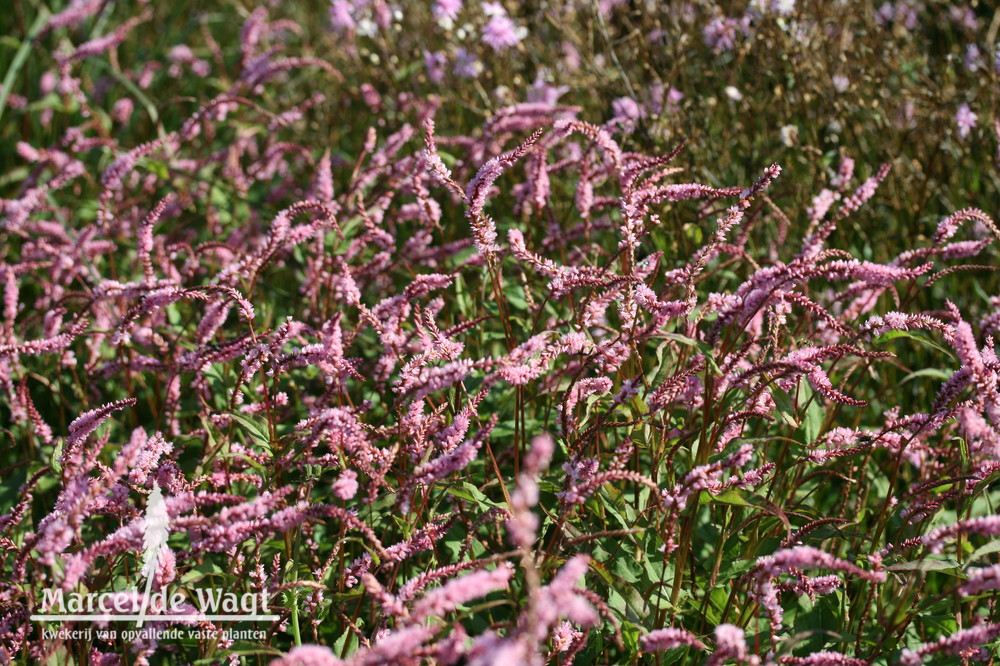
point(742, 85)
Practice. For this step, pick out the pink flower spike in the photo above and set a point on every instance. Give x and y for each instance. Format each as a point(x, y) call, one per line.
point(441, 601)
point(957, 644)
point(346, 485)
point(88, 422)
point(666, 639)
point(980, 580)
point(825, 658)
point(731, 644)
point(965, 119)
point(308, 655)
point(539, 454)
point(476, 192)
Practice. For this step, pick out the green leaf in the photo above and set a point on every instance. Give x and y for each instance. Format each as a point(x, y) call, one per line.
point(10, 489)
point(470, 493)
point(785, 408)
point(56, 454)
point(15, 175)
point(662, 366)
point(201, 571)
point(87, 211)
point(704, 348)
point(927, 342)
point(623, 522)
point(602, 571)
point(213, 373)
point(943, 625)
point(133, 89)
point(449, 160)
point(347, 643)
point(812, 423)
point(980, 292)
point(982, 551)
point(732, 568)
point(515, 297)
point(344, 597)
point(250, 461)
point(24, 49)
point(926, 565)
point(933, 373)
point(158, 168)
point(731, 496)
point(173, 314)
point(626, 569)
point(463, 299)
point(627, 602)
point(256, 428)
point(717, 600)
point(630, 637)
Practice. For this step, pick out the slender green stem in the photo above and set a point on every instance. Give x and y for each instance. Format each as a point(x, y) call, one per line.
point(20, 57)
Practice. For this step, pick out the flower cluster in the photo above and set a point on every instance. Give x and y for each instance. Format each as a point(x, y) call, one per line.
point(527, 393)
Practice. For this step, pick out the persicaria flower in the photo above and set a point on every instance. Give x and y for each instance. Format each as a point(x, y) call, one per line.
point(500, 32)
point(731, 644)
point(824, 658)
point(562, 599)
point(434, 62)
point(539, 454)
point(308, 655)
point(959, 643)
point(122, 110)
point(626, 108)
point(342, 16)
point(346, 485)
point(441, 601)
point(721, 32)
point(973, 58)
point(564, 636)
point(980, 580)
point(964, 17)
point(984, 525)
point(789, 560)
point(666, 639)
point(966, 120)
point(446, 10)
point(789, 135)
point(467, 65)
point(779, 7)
